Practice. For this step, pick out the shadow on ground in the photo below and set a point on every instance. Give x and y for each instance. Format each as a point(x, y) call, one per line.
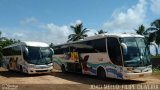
point(9, 74)
point(88, 79)
point(79, 78)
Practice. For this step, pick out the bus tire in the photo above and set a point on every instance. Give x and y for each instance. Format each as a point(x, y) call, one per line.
point(101, 73)
point(8, 67)
point(63, 68)
point(21, 69)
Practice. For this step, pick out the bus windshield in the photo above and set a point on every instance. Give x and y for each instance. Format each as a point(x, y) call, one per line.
point(137, 52)
point(39, 55)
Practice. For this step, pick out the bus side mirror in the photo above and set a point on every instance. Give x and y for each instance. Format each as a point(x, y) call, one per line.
point(124, 47)
point(26, 52)
point(52, 51)
point(153, 49)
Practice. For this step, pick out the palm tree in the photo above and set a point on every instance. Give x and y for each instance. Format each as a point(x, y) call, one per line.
point(154, 31)
point(51, 45)
point(140, 30)
point(101, 32)
point(79, 32)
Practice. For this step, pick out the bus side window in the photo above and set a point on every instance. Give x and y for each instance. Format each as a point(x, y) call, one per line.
point(114, 50)
point(99, 45)
point(74, 54)
point(16, 50)
point(58, 50)
point(4, 51)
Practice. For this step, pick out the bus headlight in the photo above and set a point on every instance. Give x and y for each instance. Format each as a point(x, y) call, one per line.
point(50, 65)
point(31, 66)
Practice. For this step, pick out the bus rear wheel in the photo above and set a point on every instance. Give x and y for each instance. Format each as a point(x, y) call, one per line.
point(8, 67)
point(63, 69)
point(21, 69)
point(101, 73)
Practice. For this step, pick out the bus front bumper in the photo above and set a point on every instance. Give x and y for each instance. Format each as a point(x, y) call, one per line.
point(39, 71)
point(137, 75)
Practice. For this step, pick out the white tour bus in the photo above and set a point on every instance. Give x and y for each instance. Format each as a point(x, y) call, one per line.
point(120, 56)
point(28, 57)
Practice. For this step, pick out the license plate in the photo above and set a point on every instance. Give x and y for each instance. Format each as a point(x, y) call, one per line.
point(141, 75)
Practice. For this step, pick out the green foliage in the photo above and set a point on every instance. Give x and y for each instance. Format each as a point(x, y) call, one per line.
point(78, 32)
point(51, 45)
point(157, 56)
point(101, 32)
point(153, 32)
point(140, 30)
point(156, 70)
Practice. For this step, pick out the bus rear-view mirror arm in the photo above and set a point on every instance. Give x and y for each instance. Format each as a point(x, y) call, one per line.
point(52, 51)
point(124, 47)
point(26, 52)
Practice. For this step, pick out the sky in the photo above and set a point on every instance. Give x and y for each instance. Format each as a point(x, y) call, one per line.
point(50, 20)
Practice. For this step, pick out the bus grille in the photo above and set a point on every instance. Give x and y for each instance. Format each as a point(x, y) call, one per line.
point(41, 70)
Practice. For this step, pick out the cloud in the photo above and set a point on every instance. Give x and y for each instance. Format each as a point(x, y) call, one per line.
point(155, 7)
point(91, 32)
point(76, 22)
point(17, 34)
point(49, 33)
point(29, 20)
point(57, 34)
point(3, 34)
point(127, 21)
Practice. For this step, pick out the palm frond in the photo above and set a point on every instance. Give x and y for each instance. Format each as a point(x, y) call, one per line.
point(150, 30)
point(71, 38)
point(71, 35)
point(156, 23)
point(79, 32)
point(84, 31)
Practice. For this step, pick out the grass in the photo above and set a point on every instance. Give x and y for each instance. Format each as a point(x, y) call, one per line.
point(158, 56)
point(156, 70)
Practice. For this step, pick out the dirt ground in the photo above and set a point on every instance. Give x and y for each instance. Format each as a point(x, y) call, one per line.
point(70, 81)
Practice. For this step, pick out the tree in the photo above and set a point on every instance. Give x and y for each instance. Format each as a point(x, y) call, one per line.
point(51, 45)
point(148, 36)
point(140, 30)
point(154, 31)
point(101, 32)
point(79, 32)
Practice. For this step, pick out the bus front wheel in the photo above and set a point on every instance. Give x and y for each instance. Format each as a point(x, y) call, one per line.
point(101, 73)
point(63, 69)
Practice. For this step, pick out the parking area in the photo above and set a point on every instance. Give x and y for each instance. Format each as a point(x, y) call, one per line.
point(70, 81)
